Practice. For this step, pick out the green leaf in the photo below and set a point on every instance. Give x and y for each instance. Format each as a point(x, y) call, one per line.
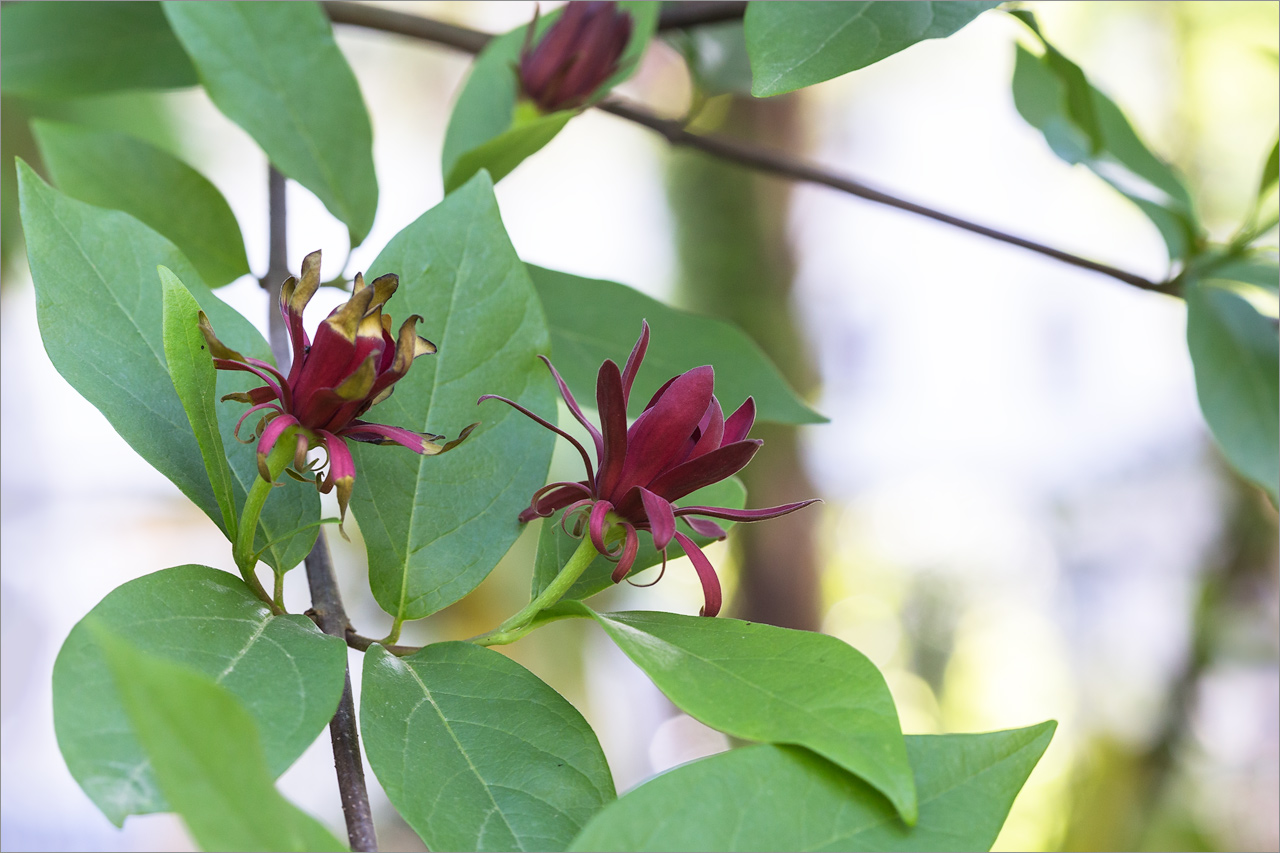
point(196, 381)
point(716, 55)
point(484, 132)
point(775, 685)
point(275, 70)
point(65, 50)
point(793, 45)
point(477, 753)
point(1270, 171)
point(205, 751)
point(435, 526)
point(592, 320)
point(119, 172)
point(1082, 125)
point(555, 546)
point(787, 798)
point(501, 154)
point(1236, 356)
point(100, 308)
point(287, 675)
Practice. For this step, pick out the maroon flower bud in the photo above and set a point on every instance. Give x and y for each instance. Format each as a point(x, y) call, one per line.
point(352, 364)
point(578, 53)
point(681, 442)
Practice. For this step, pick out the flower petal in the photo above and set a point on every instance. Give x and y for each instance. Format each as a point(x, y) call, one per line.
point(582, 451)
point(630, 547)
point(576, 409)
point(739, 423)
point(611, 401)
point(633, 361)
point(703, 527)
point(267, 442)
point(661, 432)
point(742, 514)
point(294, 296)
point(552, 497)
point(711, 429)
point(706, 469)
point(599, 511)
point(418, 442)
point(706, 574)
point(342, 474)
point(662, 521)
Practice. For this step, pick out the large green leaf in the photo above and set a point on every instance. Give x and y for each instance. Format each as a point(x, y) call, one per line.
point(592, 320)
point(62, 50)
point(119, 172)
point(275, 70)
point(555, 546)
point(1236, 356)
point(436, 525)
point(204, 750)
point(1084, 126)
point(285, 672)
point(99, 305)
point(793, 45)
point(484, 131)
point(716, 56)
point(787, 798)
point(477, 753)
point(775, 685)
point(196, 381)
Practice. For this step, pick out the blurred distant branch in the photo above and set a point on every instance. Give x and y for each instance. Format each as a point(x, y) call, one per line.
point(732, 150)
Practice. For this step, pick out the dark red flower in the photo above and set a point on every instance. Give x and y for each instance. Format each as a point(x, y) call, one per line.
point(680, 442)
point(352, 364)
point(576, 56)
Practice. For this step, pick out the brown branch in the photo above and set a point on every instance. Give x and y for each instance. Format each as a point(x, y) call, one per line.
point(732, 150)
point(326, 604)
point(691, 13)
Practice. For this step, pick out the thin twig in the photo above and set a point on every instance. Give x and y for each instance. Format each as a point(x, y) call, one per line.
point(331, 616)
point(326, 603)
point(732, 150)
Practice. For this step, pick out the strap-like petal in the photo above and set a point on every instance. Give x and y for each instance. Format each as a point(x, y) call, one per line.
point(739, 423)
point(267, 442)
point(582, 451)
point(706, 469)
point(705, 527)
point(576, 410)
point(742, 514)
point(597, 526)
point(661, 432)
point(706, 574)
point(662, 521)
point(630, 547)
point(612, 404)
point(342, 475)
point(634, 360)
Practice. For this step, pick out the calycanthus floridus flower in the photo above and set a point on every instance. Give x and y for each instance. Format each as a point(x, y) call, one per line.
point(680, 443)
point(575, 57)
point(352, 364)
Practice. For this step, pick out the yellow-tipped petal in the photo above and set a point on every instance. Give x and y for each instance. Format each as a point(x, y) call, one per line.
point(422, 346)
point(359, 384)
point(358, 284)
point(383, 287)
point(346, 320)
point(308, 284)
point(216, 347)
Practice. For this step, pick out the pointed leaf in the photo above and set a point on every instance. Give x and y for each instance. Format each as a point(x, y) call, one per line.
point(435, 526)
point(287, 675)
point(793, 45)
point(119, 172)
point(275, 70)
point(1270, 171)
point(592, 320)
point(206, 754)
point(196, 381)
point(66, 50)
point(787, 798)
point(485, 111)
point(775, 685)
point(477, 753)
point(1236, 356)
point(99, 304)
point(555, 546)
point(1082, 125)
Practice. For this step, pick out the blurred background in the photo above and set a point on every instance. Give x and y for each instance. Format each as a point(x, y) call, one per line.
point(1025, 517)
